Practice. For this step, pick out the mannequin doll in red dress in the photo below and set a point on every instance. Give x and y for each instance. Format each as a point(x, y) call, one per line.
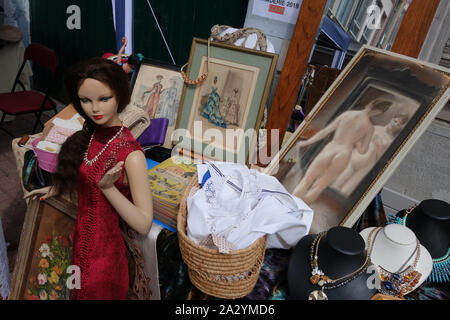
point(107, 168)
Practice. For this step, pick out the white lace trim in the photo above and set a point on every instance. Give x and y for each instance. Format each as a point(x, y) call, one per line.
point(236, 206)
point(4, 269)
point(212, 187)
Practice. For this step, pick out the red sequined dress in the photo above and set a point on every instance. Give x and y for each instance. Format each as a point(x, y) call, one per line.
point(98, 245)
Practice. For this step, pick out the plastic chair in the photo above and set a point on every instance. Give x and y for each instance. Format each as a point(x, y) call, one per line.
point(25, 102)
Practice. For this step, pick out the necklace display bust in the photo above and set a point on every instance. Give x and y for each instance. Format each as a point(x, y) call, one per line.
point(340, 253)
point(430, 221)
point(394, 248)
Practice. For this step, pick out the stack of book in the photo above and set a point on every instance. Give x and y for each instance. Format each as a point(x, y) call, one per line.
point(168, 181)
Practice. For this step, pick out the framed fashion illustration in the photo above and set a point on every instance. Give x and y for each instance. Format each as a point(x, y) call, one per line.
point(221, 115)
point(156, 88)
point(344, 151)
point(45, 251)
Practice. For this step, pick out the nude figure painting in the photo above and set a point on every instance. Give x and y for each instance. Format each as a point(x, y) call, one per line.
point(342, 154)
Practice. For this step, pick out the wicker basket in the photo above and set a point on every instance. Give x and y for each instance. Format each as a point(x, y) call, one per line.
point(228, 276)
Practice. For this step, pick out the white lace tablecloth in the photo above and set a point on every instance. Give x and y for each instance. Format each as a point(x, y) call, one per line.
point(4, 269)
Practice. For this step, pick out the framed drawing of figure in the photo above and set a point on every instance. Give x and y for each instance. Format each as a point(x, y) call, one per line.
point(218, 113)
point(358, 132)
point(156, 88)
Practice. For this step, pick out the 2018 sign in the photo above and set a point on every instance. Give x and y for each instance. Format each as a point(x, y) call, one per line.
point(281, 10)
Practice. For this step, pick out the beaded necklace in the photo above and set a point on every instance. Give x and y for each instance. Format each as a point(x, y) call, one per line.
point(402, 281)
point(319, 278)
point(200, 79)
point(91, 162)
point(441, 266)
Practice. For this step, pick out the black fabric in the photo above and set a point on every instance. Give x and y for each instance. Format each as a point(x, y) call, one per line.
point(33, 177)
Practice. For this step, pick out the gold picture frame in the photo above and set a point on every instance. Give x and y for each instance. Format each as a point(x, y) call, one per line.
point(233, 96)
point(344, 151)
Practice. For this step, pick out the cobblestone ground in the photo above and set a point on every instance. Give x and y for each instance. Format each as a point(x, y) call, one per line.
point(12, 204)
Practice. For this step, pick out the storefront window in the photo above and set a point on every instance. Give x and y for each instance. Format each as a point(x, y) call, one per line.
point(343, 11)
point(359, 22)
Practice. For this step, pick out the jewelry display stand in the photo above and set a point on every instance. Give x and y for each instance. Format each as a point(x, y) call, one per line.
point(340, 253)
point(395, 248)
point(430, 222)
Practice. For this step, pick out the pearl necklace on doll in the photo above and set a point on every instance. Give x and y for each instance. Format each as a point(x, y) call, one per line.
point(91, 162)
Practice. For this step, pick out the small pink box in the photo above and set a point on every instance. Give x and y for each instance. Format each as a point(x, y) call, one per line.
point(59, 134)
point(48, 161)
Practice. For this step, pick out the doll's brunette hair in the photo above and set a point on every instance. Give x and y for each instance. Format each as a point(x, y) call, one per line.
point(133, 60)
point(108, 72)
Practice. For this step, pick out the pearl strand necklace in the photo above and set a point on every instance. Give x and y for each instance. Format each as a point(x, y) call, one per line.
point(91, 162)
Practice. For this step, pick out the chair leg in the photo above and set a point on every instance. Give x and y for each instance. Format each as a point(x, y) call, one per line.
point(3, 118)
point(38, 116)
point(1, 127)
point(42, 125)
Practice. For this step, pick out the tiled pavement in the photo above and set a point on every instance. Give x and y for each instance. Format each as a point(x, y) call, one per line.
point(12, 204)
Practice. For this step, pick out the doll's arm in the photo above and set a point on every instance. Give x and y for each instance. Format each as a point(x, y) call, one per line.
point(119, 55)
point(139, 213)
point(45, 193)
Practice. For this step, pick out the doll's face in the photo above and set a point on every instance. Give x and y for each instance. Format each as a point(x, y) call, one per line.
point(99, 103)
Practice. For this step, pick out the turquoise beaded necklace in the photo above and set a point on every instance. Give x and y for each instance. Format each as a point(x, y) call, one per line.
point(441, 266)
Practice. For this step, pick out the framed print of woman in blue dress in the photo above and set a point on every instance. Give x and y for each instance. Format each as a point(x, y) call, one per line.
point(212, 111)
point(168, 104)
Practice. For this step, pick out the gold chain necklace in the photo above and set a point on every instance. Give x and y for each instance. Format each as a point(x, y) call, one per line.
point(319, 278)
point(200, 79)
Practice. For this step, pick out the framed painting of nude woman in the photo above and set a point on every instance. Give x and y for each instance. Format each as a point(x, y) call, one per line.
point(156, 88)
point(339, 158)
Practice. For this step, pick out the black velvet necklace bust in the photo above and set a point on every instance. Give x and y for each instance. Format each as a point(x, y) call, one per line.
point(341, 252)
point(430, 221)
